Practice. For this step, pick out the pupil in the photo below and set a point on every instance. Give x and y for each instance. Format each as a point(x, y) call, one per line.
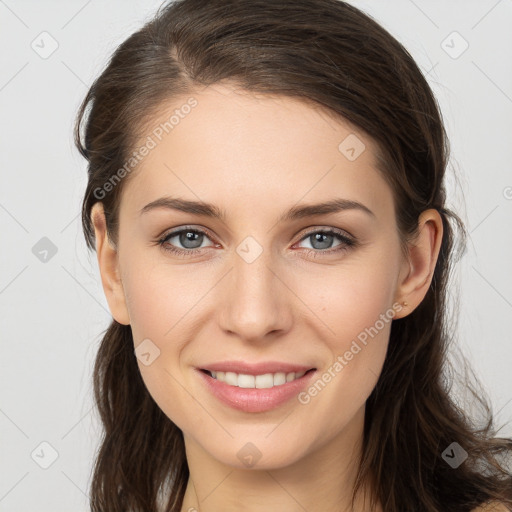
point(190, 237)
point(324, 239)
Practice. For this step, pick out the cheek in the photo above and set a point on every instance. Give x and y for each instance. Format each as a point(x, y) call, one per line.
point(159, 296)
point(162, 300)
point(350, 298)
point(355, 310)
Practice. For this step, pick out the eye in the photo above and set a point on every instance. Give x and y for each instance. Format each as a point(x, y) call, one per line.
point(191, 239)
point(322, 241)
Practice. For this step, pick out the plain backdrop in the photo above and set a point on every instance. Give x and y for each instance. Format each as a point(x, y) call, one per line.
point(52, 306)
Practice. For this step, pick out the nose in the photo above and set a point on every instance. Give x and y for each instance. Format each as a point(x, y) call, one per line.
point(256, 303)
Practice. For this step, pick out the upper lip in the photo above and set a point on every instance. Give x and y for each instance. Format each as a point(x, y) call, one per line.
point(256, 368)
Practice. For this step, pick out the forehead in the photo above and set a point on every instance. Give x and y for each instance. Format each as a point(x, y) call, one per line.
point(253, 151)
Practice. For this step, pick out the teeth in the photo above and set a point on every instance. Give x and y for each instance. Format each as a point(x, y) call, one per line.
point(264, 381)
point(267, 380)
point(246, 381)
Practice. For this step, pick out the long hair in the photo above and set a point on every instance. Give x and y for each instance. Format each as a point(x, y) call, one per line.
point(331, 55)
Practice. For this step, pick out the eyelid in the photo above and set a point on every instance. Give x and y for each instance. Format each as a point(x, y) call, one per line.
point(316, 229)
point(180, 229)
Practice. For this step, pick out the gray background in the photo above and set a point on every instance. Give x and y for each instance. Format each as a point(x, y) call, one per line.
point(53, 312)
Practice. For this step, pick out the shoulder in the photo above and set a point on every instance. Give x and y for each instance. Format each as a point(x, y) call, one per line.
point(494, 506)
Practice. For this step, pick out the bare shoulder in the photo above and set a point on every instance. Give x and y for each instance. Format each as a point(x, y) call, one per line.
point(494, 506)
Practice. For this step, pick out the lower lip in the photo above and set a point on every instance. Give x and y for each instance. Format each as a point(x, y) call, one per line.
point(254, 399)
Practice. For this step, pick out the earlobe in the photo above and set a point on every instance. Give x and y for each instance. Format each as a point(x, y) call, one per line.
point(423, 254)
point(108, 262)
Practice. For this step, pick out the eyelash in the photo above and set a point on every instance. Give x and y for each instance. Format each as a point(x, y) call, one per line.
point(346, 243)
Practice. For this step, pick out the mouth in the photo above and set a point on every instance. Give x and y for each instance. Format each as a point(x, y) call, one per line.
point(259, 381)
point(261, 389)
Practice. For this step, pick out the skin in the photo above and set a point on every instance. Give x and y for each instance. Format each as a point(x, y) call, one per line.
point(255, 157)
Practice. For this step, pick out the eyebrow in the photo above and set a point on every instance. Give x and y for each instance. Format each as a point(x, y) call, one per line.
point(294, 213)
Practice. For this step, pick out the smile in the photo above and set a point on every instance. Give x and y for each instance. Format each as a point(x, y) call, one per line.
point(263, 381)
point(254, 393)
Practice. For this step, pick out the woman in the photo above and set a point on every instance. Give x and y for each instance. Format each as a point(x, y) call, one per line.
point(266, 198)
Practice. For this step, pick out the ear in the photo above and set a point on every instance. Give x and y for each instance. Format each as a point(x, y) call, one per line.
point(417, 271)
point(109, 267)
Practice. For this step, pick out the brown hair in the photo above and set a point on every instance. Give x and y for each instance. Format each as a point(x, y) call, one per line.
point(331, 54)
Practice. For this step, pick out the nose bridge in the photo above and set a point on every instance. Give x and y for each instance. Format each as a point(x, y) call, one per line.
point(255, 300)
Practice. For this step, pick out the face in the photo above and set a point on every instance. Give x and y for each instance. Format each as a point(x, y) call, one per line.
point(264, 283)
